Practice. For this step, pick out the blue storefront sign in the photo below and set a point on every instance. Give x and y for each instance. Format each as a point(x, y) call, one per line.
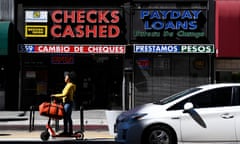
point(170, 25)
point(174, 48)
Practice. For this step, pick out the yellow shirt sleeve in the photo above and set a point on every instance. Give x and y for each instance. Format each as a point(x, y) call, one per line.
point(65, 92)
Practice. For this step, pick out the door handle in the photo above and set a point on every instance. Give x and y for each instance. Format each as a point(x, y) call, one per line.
point(227, 116)
point(175, 117)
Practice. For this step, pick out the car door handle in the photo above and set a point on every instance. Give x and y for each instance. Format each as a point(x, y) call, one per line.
point(227, 116)
point(175, 117)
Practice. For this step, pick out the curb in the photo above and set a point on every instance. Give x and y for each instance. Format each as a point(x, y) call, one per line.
point(12, 119)
point(42, 127)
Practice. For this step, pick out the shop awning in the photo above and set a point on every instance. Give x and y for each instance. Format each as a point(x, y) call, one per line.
point(4, 28)
point(227, 28)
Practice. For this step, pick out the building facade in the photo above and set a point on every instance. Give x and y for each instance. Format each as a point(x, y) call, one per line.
point(227, 19)
point(125, 54)
point(8, 57)
point(72, 36)
point(172, 47)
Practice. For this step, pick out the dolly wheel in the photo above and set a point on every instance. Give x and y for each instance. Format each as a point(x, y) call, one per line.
point(45, 135)
point(79, 135)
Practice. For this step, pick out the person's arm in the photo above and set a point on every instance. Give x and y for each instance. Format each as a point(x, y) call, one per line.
point(64, 92)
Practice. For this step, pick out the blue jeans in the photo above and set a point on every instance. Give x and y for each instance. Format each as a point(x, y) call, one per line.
point(67, 120)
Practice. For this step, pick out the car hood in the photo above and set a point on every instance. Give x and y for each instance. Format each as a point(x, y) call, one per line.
point(143, 109)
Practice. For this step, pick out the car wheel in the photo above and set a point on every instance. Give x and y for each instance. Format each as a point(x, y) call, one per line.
point(159, 134)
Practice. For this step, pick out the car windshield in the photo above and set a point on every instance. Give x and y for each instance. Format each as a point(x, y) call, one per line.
point(177, 95)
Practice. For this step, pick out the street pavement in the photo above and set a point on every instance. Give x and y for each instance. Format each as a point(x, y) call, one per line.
point(16, 125)
point(15, 128)
point(25, 135)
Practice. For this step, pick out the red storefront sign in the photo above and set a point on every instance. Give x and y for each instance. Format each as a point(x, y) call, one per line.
point(62, 59)
point(85, 23)
point(73, 24)
point(81, 49)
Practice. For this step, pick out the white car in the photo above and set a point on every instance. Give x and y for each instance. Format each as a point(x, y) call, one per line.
point(204, 114)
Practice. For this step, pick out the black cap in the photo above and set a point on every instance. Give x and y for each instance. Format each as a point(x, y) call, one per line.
point(72, 75)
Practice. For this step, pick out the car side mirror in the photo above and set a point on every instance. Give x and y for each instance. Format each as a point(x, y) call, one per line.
point(187, 107)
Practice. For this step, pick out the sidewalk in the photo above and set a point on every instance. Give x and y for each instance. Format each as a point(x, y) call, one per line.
point(14, 126)
point(24, 134)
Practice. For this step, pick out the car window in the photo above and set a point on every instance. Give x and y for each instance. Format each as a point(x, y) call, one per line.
point(214, 98)
point(236, 98)
point(177, 95)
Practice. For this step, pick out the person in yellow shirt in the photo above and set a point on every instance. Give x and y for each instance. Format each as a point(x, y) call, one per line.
point(67, 96)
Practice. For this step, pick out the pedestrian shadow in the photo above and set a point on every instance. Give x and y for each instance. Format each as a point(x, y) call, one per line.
point(3, 134)
point(12, 119)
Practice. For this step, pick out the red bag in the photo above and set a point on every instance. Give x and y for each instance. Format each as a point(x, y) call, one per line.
point(52, 110)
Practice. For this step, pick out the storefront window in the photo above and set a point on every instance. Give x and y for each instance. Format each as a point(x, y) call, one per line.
point(227, 76)
point(168, 74)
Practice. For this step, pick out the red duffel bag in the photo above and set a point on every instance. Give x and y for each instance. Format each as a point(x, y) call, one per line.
point(52, 110)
